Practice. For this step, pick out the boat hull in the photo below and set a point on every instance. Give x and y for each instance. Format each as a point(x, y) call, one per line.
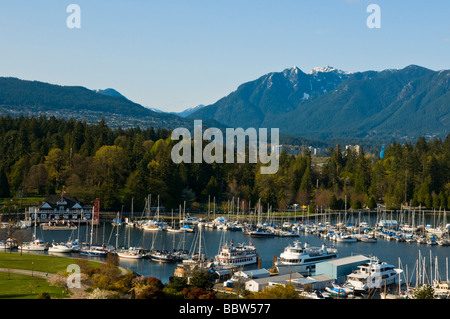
point(59, 250)
point(130, 256)
point(163, 259)
point(261, 235)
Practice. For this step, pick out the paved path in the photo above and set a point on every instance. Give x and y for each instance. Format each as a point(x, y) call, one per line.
point(39, 274)
point(43, 274)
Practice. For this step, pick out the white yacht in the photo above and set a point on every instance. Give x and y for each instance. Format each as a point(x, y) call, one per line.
point(130, 253)
point(346, 238)
point(60, 248)
point(239, 255)
point(374, 274)
point(303, 259)
point(34, 245)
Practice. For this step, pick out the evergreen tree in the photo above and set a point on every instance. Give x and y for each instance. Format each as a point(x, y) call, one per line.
point(4, 185)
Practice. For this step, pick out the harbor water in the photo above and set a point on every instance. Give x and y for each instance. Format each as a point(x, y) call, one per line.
point(399, 254)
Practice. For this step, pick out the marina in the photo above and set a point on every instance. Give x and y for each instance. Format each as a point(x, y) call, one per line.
point(315, 239)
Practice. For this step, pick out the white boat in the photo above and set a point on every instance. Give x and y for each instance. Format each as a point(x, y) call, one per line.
point(374, 274)
point(410, 239)
point(262, 232)
point(151, 226)
point(162, 256)
point(35, 245)
point(95, 251)
point(285, 233)
point(59, 248)
point(170, 229)
point(74, 244)
point(130, 253)
point(313, 295)
point(237, 255)
point(303, 259)
point(443, 242)
point(368, 239)
point(8, 244)
point(346, 238)
point(173, 229)
point(190, 220)
point(422, 240)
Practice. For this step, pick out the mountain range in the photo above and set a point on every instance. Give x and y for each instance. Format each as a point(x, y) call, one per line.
point(322, 104)
point(33, 98)
point(328, 103)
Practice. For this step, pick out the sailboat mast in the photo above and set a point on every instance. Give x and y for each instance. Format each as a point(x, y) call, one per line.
point(92, 227)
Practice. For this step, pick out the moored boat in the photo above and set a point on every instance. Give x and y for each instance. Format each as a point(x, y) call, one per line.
point(374, 274)
point(368, 239)
point(237, 255)
point(9, 243)
point(303, 259)
point(94, 251)
point(345, 238)
point(60, 248)
point(161, 256)
point(130, 253)
point(35, 245)
point(262, 232)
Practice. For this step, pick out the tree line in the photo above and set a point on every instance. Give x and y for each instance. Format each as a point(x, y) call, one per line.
point(42, 156)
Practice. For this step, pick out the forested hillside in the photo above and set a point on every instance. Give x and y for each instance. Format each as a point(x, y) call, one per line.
point(41, 156)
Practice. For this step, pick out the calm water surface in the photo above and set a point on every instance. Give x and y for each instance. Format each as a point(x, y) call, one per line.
point(388, 251)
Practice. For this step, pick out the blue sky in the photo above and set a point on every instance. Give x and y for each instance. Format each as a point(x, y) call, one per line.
point(173, 55)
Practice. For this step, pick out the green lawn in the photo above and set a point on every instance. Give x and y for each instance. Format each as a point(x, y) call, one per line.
point(44, 263)
point(14, 286)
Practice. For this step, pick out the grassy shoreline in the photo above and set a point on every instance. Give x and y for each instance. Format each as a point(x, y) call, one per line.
point(43, 263)
point(22, 286)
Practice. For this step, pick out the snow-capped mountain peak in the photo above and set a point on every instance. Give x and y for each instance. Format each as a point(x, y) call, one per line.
point(326, 69)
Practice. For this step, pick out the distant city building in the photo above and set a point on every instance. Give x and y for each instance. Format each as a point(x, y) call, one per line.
point(354, 148)
point(289, 149)
point(316, 150)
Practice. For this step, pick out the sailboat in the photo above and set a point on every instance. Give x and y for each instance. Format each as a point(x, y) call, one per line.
point(174, 229)
point(130, 221)
point(261, 231)
point(91, 250)
point(131, 252)
point(36, 244)
point(161, 255)
point(153, 225)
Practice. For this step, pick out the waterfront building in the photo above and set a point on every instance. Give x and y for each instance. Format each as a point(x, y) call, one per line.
point(60, 207)
point(256, 285)
point(339, 268)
